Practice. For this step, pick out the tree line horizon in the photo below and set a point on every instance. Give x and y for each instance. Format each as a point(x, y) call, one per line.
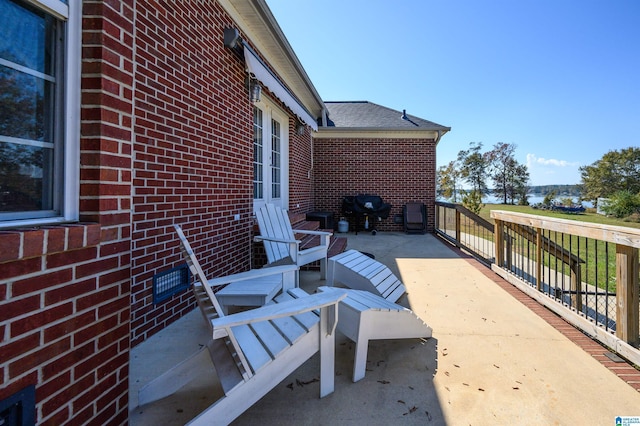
point(616, 175)
point(573, 190)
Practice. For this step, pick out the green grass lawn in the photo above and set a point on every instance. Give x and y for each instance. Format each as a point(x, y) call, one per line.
point(584, 217)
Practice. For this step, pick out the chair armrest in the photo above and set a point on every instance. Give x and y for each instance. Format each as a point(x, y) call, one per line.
point(261, 238)
point(309, 232)
point(276, 310)
point(252, 274)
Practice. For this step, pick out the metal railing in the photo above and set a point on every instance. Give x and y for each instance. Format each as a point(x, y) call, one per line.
point(465, 229)
point(571, 269)
point(585, 272)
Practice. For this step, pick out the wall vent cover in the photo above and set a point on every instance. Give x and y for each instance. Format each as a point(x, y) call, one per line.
point(20, 408)
point(170, 282)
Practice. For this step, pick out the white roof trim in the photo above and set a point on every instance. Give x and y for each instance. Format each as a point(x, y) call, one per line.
point(369, 133)
point(256, 67)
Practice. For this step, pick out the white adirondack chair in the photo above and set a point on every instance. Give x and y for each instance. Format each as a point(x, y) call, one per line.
point(281, 245)
point(366, 316)
point(254, 350)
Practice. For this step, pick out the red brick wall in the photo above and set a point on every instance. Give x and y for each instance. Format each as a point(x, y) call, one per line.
point(166, 137)
point(301, 183)
point(65, 290)
point(398, 170)
point(192, 152)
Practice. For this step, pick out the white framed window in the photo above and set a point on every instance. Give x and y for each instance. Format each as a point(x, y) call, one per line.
point(39, 111)
point(270, 155)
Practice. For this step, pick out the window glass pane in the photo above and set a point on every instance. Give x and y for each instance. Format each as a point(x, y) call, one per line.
point(26, 106)
point(26, 36)
point(258, 180)
point(26, 174)
point(31, 143)
point(276, 153)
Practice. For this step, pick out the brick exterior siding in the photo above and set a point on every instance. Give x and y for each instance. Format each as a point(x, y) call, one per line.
point(65, 290)
point(398, 170)
point(192, 153)
point(166, 137)
point(301, 176)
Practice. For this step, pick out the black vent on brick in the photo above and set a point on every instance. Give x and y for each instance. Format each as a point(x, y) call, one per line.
point(19, 409)
point(168, 283)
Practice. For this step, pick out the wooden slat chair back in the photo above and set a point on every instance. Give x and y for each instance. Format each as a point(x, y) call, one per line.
point(205, 296)
point(252, 288)
point(280, 243)
point(358, 271)
point(207, 301)
point(254, 350)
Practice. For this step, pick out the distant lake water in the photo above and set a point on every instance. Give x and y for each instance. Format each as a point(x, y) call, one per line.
point(533, 199)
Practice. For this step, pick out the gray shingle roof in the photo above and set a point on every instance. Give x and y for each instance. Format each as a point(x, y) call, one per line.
point(365, 114)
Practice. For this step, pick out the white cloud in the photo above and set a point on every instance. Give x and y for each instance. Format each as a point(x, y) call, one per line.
point(533, 159)
point(551, 171)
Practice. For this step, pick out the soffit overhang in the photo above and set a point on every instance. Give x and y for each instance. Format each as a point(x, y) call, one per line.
point(258, 24)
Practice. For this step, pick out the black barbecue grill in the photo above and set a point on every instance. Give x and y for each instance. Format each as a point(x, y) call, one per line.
point(366, 210)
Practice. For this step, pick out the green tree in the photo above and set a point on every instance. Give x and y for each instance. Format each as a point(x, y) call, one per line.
point(473, 168)
point(473, 201)
point(510, 178)
point(615, 171)
point(501, 162)
point(448, 179)
point(622, 204)
point(548, 198)
point(519, 185)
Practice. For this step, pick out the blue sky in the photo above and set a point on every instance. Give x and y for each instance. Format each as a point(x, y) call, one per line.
point(558, 78)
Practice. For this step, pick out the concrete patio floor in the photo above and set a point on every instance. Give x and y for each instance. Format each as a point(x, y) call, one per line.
point(491, 360)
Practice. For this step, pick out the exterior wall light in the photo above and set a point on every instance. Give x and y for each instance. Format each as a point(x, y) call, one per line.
point(255, 89)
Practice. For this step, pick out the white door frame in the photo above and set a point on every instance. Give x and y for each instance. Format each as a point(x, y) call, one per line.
point(270, 112)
